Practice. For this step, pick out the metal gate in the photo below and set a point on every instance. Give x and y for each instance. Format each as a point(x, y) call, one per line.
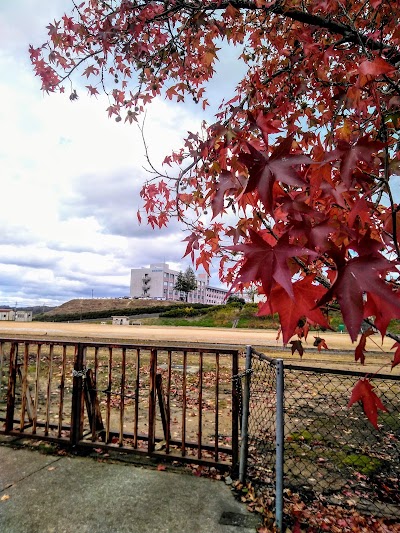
point(176, 403)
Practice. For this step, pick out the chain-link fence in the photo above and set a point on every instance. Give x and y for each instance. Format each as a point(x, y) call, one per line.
point(335, 451)
point(331, 452)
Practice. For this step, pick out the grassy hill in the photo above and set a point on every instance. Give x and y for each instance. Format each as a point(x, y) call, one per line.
point(97, 308)
point(88, 305)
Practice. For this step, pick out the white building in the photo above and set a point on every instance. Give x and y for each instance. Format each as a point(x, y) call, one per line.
point(7, 314)
point(23, 316)
point(120, 320)
point(18, 316)
point(158, 281)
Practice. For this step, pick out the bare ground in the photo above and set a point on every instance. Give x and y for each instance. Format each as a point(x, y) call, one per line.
point(322, 436)
point(340, 353)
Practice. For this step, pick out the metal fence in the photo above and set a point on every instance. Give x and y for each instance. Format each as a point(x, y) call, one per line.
point(331, 452)
point(183, 403)
point(167, 402)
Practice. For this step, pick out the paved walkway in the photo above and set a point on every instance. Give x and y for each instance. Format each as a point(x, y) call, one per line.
point(63, 494)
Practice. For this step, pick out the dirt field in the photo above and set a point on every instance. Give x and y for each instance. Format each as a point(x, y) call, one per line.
point(329, 448)
point(340, 353)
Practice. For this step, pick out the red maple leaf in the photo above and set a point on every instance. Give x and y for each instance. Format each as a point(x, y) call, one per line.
point(360, 349)
point(362, 150)
point(384, 310)
point(268, 263)
point(268, 123)
point(297, 347)
point(369, 70)
point(226, 182)
point(306, 294)
point(396, 358)
point(193, 244)
point(364, 392)
point(320, 343)
point(357, 276)
point(264, 171)
point(361, 210)
point(317, 235)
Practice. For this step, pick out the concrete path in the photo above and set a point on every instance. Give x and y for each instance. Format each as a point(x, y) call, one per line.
point(52, 494)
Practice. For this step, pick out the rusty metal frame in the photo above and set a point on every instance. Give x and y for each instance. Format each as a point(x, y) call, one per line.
point(84, 401)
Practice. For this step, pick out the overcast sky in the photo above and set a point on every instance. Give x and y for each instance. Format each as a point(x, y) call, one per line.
point(71, 177)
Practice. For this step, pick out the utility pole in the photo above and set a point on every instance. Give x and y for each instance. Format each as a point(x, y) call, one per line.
point(92, 294)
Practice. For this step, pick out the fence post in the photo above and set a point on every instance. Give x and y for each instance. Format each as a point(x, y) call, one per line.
point(279, 444)
point(77, 408)
point(245, 418)
point(12, 377)
point(152, 402)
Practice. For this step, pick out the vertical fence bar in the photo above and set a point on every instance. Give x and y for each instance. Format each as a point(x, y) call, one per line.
point(216, 443)
point(48, 396)
point(152, 401)
point(109, 385)
point(12, 377)
point(77, 397)
point(122, 399)
point(82, 405)
point(244, 441)
point(93, 394)
point(280, 378)
point(62, 386)
point(200, 427)
point(137, 392)
point(162, 407)
point(184, 405)
point(1, 365)
point(235, 413)
point(24, 387)
point(168, 401)
point(36, 400)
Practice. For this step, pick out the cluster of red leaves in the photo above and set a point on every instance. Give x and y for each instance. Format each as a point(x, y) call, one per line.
point(312, 517)
point(318, 517)
point(297, 345)
point(296, 172)
point(364, 392)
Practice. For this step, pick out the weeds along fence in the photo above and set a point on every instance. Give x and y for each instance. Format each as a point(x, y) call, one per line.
point(302, 436)
point(174, 403)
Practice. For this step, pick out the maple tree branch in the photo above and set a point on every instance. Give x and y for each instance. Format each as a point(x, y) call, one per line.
point(392, 83)
point(76, 65)
point(348, 31)
point(353, 28)
point(351, 35)
point(387, 334)
point(388, 188)
point(147, 156)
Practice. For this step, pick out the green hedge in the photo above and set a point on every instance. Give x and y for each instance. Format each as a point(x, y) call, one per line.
point(185, 312)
